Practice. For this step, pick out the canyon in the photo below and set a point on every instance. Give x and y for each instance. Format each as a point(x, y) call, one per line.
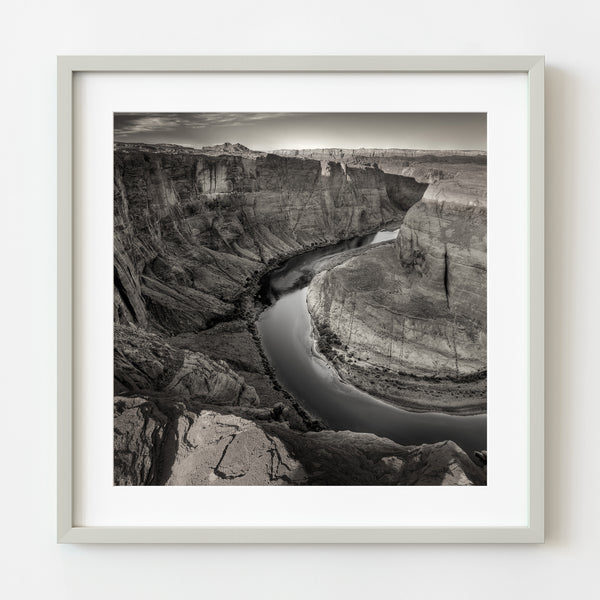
point(196, 230)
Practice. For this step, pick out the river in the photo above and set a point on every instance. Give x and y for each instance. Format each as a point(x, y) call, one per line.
point(286, 332)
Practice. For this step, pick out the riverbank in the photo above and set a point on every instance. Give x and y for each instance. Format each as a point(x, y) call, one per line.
point(406, 322)
point(410, 393)
point(237, 341)
point(286, 331)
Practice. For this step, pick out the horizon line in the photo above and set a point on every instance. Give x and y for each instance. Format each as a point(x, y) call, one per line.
point(273, 150)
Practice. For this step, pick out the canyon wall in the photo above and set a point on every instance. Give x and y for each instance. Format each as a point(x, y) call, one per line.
point(192, 229)
point(414, 312)
point(424, 165)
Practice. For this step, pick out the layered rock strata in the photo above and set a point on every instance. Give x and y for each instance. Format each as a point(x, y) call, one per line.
point(409, 318)
point(143, 362)
point(192, 229)
point(424, 165)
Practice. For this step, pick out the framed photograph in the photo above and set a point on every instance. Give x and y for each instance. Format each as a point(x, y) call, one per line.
point(300, 299)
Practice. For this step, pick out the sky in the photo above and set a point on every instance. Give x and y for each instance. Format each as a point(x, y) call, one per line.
point(272, 131)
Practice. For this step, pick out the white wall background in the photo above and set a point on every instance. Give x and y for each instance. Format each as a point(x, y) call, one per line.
point(33, 32)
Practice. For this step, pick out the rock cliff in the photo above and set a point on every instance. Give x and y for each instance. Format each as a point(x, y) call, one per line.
point(192, 229)
point(424, 165)
point(414, 311)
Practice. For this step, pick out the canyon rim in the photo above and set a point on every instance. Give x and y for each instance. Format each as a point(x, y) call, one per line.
point(300, 299)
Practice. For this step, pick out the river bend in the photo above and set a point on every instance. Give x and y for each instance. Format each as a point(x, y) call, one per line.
point(285, 329)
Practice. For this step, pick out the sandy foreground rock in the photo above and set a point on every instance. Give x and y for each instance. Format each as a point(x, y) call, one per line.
point(351, 458)
point(187, 448)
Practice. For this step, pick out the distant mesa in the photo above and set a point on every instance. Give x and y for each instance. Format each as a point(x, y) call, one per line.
point(226, 148)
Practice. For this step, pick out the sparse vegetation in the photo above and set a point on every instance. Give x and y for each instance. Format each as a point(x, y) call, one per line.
point(327, 340)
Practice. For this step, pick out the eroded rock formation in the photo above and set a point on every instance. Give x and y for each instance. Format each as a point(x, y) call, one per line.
point(192, 229)
point(409, 317)
point(143, 362)
point(166, 443)
point(424, 165)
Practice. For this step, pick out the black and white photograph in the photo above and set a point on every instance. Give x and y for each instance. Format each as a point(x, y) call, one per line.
point(300, 299)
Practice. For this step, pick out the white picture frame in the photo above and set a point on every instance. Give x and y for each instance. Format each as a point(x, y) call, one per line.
point(67, 529)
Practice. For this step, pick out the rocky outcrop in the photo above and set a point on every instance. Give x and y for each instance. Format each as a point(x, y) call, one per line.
point(144, 363)
point(233, 343)
point(169, 444)
point(139, 432)
point(414, 312)
point(350, 458)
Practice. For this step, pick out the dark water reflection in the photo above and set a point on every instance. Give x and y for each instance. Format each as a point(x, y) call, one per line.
point(286, 332)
